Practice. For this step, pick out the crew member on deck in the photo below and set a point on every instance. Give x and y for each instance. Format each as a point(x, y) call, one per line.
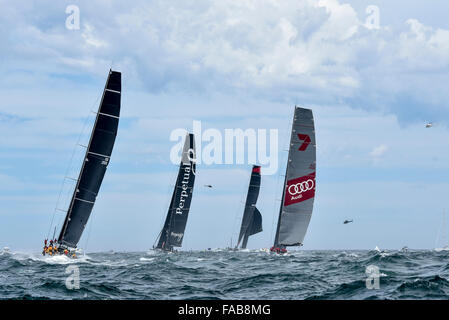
point(45, 247)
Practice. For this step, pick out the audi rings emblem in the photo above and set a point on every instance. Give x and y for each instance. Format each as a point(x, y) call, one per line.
point(301, 187)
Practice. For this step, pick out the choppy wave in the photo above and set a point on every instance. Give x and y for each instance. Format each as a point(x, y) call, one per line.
point(221, 274)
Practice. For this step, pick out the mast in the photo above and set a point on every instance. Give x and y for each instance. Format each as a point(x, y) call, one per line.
point(95, 162)
point(252, 219)
point(172, 233)
point(299, 183)
point(276, 237)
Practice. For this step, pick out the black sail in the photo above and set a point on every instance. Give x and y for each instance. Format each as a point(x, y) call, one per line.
point(95, 162)
point(172, 233)
point(252, 219)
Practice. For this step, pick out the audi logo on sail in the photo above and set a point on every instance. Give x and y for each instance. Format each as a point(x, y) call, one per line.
point(301, 187)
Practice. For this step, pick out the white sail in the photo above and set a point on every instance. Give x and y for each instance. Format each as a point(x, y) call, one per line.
point(300, 183)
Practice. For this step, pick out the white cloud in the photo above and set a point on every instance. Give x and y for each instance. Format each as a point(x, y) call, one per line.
point(379, 151)
point(292, 50)
point(234, 64)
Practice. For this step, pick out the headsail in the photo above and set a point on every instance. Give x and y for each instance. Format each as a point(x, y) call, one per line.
point(172, 233)
point(252, 219)
point(299, 185)
point(95, 162)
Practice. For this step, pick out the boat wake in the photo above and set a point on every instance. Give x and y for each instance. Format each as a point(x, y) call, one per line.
point(57, 259)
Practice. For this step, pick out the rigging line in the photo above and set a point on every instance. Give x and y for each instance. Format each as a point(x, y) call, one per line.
point(81, 170)
point(238, 216)
point(169, 192)
point(157, 239)
point(68, 168)
point(276, 204)
point(66, 174)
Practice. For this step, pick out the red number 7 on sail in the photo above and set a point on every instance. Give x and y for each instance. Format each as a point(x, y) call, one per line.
point(306, 142)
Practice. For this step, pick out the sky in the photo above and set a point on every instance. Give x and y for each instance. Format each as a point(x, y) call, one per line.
point(373, 72)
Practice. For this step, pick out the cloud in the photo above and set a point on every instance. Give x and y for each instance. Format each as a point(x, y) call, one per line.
point(308, 51)
point(234, 64)
point(378, 151)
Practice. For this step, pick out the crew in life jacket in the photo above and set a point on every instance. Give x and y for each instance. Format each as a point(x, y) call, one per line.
point(51, 249)
point(45, 247)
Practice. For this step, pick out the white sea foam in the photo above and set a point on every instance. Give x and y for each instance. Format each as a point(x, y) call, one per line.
point(146, 259)
point(57, 259)
point(352, 254)
point(60, 259)
point(5, 251)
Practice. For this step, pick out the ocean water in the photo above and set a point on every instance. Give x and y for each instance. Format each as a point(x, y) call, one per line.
point(221, 274)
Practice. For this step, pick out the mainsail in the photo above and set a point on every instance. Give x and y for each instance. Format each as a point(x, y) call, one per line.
point(172, 233)
point(299, 185)
point(95, 162)
point(252, 219)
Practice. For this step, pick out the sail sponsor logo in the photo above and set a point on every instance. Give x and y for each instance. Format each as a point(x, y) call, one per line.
point(177, 236)
point(300, 189)
point(305, 144)
point(184, 189)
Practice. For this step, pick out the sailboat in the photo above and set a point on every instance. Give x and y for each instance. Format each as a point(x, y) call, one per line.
point(299, 184)
point(172, 232)
point(93, 169)
point(252, 219)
